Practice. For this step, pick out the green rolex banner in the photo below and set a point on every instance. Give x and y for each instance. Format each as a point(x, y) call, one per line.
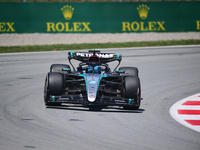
point(107, 17)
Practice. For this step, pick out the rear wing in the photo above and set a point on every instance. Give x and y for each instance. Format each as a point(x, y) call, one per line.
point(104, 57)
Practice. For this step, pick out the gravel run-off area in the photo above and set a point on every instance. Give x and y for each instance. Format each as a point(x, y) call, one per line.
point(60, 38)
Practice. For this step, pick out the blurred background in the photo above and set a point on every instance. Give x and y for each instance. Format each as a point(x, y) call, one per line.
point(34, 20)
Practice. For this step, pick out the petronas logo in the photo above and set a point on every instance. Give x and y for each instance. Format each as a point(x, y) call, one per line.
point(67, 12)
point(143, 11)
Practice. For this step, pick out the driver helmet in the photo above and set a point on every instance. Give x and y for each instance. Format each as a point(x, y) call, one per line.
point(94, 58)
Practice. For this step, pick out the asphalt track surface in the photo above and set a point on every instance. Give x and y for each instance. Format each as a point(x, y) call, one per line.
point(168, 74)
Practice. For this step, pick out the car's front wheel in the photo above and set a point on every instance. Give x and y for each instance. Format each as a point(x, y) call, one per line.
point(132, 71)
point(54, 85)
point(132, 91)
point(60, 68)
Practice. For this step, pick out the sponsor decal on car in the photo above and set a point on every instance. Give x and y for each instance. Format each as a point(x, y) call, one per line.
point(91, 96)
point(102, 55)
point(92, 82)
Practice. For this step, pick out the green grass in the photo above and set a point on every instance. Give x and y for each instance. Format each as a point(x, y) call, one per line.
point(60, 47)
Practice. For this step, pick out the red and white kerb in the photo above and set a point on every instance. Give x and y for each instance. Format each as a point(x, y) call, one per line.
point(187, 112)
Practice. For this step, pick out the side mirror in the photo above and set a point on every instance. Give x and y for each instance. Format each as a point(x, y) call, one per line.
point(66, 69)
point(120, 71)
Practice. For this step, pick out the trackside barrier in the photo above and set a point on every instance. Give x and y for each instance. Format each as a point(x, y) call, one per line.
point(109, 17)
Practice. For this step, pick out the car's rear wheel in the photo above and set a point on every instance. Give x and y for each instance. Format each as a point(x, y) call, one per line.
point(132, 91)
point(60, 68)
point(132, 71)
point(54, 85)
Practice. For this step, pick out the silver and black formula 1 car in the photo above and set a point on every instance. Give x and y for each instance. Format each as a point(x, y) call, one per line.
point(93, 83)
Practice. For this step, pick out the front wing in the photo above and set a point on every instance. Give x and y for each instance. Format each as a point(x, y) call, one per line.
point(100, 100)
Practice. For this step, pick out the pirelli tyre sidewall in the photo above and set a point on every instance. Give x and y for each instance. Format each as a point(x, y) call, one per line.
point(132, 90)
point(54, 84)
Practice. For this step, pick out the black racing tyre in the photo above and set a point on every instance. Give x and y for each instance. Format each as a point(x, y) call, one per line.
point(133, 71)
point(54, 84)
point(132, 90)
point(59, 68)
